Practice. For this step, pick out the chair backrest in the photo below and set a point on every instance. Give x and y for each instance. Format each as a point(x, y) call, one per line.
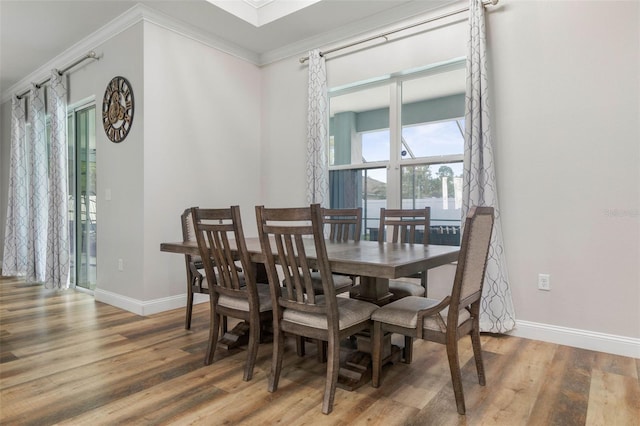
point(343, 224)
point(188, 230)
point(291, 238)
point(404, 225)
point(472, 260)
point(221, 243)
point(189, 234)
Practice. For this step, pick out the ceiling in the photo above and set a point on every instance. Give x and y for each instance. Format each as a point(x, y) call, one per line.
point(33, 33)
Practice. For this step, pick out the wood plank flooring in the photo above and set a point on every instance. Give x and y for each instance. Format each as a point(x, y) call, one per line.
point(66, 359)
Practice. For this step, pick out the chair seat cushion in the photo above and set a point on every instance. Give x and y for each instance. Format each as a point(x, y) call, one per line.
point(242, 304)
point(341, 283)
point(350, 311)
point(401, 289)
point(404, 313)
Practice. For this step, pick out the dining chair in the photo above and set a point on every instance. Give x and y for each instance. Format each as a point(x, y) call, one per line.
point(233, 291)
point(293, 243)
point(193, 266)
point(456, 315)
point(340, 225)
point(405, 226)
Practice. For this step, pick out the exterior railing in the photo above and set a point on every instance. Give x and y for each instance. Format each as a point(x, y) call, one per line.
point(445, 235)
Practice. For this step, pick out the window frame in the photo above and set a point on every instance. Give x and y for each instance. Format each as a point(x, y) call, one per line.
point(396, 162)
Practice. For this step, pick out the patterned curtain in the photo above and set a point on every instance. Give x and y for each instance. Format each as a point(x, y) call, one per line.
point(317, 123)
point(57, 275)
point(38, 188)
point(479, 188)
point(14, 259)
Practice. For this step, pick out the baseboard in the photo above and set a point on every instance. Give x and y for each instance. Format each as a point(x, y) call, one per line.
point(601, 342)
point(145, 307)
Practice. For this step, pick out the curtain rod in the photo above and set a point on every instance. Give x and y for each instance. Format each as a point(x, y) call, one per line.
point(446, 15)
point(90, 55)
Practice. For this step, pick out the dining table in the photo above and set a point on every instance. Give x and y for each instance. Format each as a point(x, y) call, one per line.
point(374, 262)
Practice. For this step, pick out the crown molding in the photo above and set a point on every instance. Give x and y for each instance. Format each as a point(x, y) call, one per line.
point(113, 28)
point(141, 13)
point(189, 31)
point(137, 13)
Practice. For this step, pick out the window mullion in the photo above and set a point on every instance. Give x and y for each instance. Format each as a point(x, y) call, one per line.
point(395, 134)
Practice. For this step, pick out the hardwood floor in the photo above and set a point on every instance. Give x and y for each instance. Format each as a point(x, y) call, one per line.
point(66, 359)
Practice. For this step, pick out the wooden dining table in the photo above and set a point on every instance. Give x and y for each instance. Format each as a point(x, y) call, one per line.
point(375, 263)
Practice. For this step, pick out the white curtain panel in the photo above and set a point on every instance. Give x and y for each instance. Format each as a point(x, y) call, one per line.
point(317, 125)
point(14, 259)
point(479, 188)
point(38, 188)
point(57, 275)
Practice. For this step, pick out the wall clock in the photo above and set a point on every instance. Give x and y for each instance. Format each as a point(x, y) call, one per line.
point(117, 109)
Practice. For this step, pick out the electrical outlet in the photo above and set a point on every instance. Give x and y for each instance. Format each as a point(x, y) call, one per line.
point(544, 282)
point(120, 265)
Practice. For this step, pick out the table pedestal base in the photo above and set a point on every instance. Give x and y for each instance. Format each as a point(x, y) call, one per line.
point(358, 366)
point(239, 336)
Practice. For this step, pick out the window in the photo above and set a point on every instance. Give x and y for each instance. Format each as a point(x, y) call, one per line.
point(398, 143)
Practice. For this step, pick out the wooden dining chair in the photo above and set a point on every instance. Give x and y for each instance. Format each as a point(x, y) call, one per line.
point(193, 266)
point(340, 225)
point(233, 291)
point(456, 315)
point(405, 226)
point(292, 241)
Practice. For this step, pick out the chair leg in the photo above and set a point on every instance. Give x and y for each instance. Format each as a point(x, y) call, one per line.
point(408, 349)
point(276, 361)
point(477, 355)
point(456, 376)
point(187, 320)
point(213, 337)
point(376, 354)
point(299, 346)
point(322, 351)
point(333, 367)
point(252, 348)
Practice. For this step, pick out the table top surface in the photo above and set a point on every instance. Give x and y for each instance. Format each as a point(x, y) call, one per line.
point(364, 258)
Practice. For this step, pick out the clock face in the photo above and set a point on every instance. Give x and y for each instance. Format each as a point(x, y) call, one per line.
point(117, 109)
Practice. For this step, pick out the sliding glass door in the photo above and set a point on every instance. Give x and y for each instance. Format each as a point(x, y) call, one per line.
point(82, 196)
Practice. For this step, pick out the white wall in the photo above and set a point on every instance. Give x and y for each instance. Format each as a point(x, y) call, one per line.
point(566, 114)
point(119, 166)
point(202, 144)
